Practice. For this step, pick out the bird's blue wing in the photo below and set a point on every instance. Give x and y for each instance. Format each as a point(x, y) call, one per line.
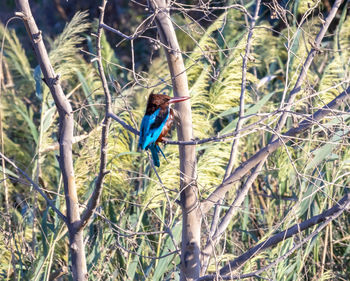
point(151, 128)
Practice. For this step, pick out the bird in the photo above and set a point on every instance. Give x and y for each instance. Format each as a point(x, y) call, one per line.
point(156, 123)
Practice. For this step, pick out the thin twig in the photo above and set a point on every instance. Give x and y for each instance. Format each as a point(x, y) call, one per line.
point(56, 145)
point(124, 124)
point(95, 197)
point(137, 32)
point(66, 123)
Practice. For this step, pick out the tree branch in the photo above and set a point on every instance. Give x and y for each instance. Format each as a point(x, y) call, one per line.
point(56, 145)
point(210, 244)
point(245, 167)
point(191, 219)
point(63, 106)
point(326, 220)
point(124, 124)
point(66, 127)
point(145, 24)
point(327, 216)
point(95, 197)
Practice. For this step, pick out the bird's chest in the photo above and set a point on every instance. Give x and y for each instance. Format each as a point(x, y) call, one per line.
point(167, 126)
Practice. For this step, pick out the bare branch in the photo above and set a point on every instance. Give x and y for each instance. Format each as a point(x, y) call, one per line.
point(190, 248)
point(245, 167)
point(327, 216)
point(314, 50)
point(66, 128)
point(95, 197)
point(121, 122)
point(56, 145)
point(145, 25)
point(63, 106)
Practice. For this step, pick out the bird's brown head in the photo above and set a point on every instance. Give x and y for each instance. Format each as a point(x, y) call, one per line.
point(156, 101)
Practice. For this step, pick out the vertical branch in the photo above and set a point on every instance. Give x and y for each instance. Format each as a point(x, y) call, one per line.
point(191, 221)
point(208, 250)
point(65, 133)
point(240, 122)
point(95, 197)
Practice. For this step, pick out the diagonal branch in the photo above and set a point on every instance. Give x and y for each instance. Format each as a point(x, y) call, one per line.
point(243, 89)
point(65, 136)
point(66, 123)
point(138, 32)
point(245, 167)
point(326, 217)
point(339, 208)
point(123, 123)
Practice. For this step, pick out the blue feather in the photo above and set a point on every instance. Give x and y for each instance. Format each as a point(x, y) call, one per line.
point(154, 150)
point(149, 133)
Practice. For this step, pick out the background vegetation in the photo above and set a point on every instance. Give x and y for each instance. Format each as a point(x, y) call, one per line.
point(128, 231)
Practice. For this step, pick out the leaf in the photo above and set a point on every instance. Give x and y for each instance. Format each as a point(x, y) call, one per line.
point(30, 123)
point(325, 151)
point(131, 153)
point(38, 81)
point(133, 265)
point(87, 92)
point(9, 172)
point(230, 111)
point(47, 118)
point(39, 267)
point(165, 263)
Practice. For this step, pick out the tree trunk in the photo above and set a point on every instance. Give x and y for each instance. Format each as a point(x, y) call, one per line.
point(65, 134)
point(77, 253)
point(191, 218)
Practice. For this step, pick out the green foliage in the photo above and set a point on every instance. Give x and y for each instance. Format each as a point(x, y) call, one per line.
point(65, 47)
point(301, 179)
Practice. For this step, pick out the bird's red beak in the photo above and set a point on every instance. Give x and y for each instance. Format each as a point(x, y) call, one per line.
point(178, 99)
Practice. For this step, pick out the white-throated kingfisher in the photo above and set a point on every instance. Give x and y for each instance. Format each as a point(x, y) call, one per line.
point(157, 122)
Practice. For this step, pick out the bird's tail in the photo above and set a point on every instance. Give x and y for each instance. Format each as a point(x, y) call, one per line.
point(154, 150)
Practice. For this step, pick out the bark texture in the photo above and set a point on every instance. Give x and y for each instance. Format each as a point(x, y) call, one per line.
point(191, 221)
point(66, 126)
